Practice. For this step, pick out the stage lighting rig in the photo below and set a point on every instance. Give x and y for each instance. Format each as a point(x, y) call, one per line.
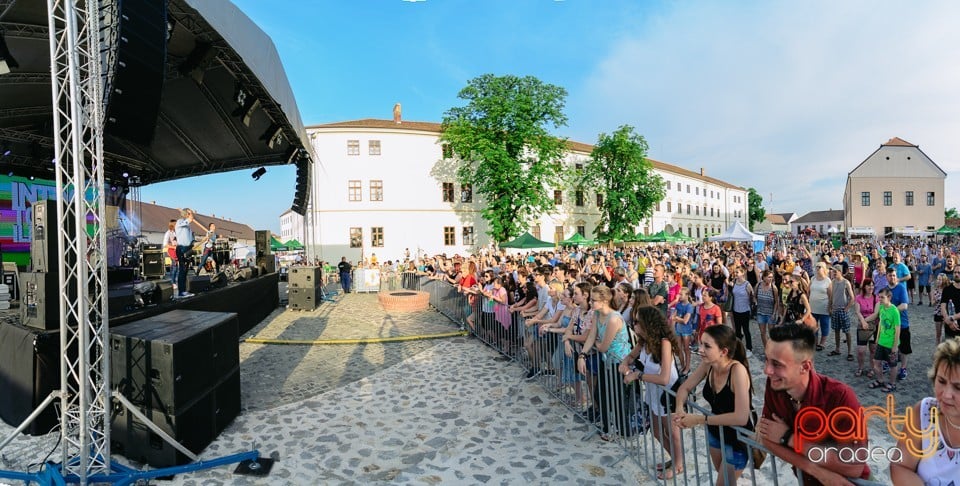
point(273, 136)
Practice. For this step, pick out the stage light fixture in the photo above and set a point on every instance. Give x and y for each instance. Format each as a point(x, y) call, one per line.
point(126, 174)
point(5, 149)
point(273, 135)
point(32, 178)
point(257, 174)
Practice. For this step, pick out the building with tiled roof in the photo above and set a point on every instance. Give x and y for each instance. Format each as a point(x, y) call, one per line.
point(896, 189)
point(821, 221)
point(385, 186)
point(775, 223)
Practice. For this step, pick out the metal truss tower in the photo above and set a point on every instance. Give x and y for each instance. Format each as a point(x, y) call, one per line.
point(83, 40)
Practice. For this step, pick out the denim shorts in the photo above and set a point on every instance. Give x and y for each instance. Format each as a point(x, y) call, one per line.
point(733, 456)
point(684, 330)
point(824, 321)
point(764, 319)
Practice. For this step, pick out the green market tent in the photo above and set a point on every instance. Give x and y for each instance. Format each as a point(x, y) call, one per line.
point(946, 230)
point(294, 244)
point(277, 245)
point(526, 241)
point(659, 237)
point(682, 237)
point(579, 240)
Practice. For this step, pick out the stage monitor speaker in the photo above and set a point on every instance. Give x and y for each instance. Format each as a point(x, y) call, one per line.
point(266, 265)
point(43, 245)
point(39, 300)
point(134, 100)
point(245, 273)
point(219, 280)
point(198, 283)
point(164, 291)
point(194, 426)
point(262, 240)
point(304, 277)
point(156, 362)
point(153, 266)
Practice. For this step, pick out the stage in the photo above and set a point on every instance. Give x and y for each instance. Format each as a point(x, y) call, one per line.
point(30, 358)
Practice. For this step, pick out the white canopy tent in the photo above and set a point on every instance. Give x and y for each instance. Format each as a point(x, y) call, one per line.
point(737, 232)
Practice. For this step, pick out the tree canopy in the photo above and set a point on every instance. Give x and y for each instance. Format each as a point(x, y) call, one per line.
point(951, 213)
point(620, 170)
point(508, 153)
point(755, 207)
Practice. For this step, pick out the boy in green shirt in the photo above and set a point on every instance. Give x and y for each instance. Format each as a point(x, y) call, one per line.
point(888, 337)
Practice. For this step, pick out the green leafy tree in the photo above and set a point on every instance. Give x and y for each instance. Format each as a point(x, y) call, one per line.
point(951, 213)
point(509, 156)
point(755, 206)
point(620, 170)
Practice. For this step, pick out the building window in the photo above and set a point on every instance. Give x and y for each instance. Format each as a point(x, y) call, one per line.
point(679, 208)
point(448, 192)
point(931, 199)
point(557, 234)
point(599, 200)
point(887, 198)
point(698, 232)
point(356, 238)
point(466, 193)
point(658, 207)
point(689, 232)
point(669, 185)
point(711, 212)
point(376, 236)
point(582, 230)
point(376, 190)
point(353, 147)
point(579, 167)
point(557, 197)
point(865, 198)
point(535, 231)
point(354, 191)
point(447, 151)
point(579, 197)
point(698, 210)
point(449, 235)
point(468, 236)
point(669, 207)
point(688, 188)
point(698, 193)
point(688, 209)
point(374, 147)
point(909, 198)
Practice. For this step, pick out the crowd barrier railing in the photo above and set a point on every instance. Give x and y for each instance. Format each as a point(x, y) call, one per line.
point(630, 415)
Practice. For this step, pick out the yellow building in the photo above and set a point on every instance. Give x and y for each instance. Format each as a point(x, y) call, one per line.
point(896, 190)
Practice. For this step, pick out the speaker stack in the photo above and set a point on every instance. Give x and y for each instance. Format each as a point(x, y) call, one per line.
point(304, 288)
point(265, 261)
point(39, 293)
point(153, 266)
point(182, 370)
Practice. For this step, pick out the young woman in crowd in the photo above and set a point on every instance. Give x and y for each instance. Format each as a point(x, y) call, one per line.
point(655, 359)
point(466, 286)
point(622, 301)
point(609, 336)
point(768, 304)
point(819, 299)
point(560, 360)
point(942, 282)
point(796, 307)
point(574, 338)
point(741, 292)
point(942, 466)
point(866, 304)
point(729, 391)
point(682, 320)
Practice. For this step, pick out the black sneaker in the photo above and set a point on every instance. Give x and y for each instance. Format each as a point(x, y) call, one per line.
point(532, 373)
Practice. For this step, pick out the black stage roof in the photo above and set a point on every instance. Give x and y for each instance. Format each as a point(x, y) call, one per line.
point(213, 54)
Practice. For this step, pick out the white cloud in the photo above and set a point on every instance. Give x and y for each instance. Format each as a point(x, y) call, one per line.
point(786, 97)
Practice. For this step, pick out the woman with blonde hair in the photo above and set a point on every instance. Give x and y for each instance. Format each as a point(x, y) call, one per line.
point(938, 461)
point(943, 281)
point(609, 336)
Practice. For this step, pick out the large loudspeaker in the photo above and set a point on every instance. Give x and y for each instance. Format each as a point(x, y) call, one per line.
point(39, 300)
point(134, 101)
point(43, 244)
point(303, 298)
point(304, 277)
point(198, 283)
point(153, 263)
point(262, 240)
point(165, 362)
point(195, 426)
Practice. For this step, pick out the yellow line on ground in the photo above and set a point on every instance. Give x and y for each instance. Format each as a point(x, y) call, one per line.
point(393, 339)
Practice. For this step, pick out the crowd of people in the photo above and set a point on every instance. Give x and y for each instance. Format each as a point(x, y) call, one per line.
point(674, 317)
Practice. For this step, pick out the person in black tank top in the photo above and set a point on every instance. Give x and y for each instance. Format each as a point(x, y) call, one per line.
point(724, 361)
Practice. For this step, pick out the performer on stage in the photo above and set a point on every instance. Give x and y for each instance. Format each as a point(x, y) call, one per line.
point(209, 242)
point(345, 271)
point(184, 247)
point(170, 248)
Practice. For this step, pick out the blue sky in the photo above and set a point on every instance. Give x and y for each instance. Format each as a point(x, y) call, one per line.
point(783, 96)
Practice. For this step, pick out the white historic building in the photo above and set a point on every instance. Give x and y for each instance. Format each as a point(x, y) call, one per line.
point(897, 189)
point(390, 186)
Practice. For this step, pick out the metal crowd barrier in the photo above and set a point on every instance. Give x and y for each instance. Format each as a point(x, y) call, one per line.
point(621, 413)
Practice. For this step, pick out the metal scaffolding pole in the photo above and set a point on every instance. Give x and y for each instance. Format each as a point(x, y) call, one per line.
point(81, 38)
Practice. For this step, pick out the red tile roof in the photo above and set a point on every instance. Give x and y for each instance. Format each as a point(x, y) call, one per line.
point(579, 147)
point(898, 142)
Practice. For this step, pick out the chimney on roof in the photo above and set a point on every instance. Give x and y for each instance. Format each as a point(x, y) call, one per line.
point(702, 172)
point(397, 118)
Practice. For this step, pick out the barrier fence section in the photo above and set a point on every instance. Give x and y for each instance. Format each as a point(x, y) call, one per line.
point(631, 415)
